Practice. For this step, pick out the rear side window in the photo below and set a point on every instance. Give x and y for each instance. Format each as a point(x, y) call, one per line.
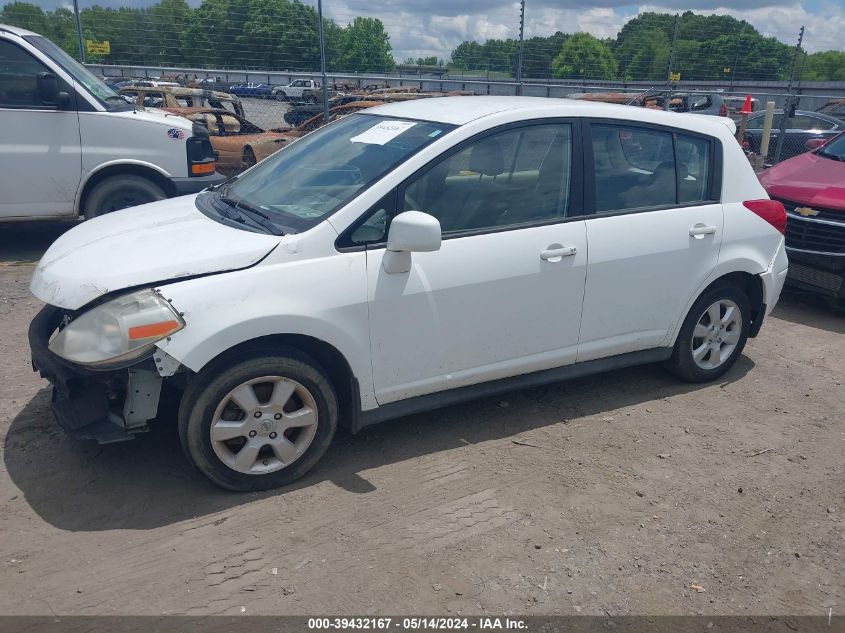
point(638, 167)
point(18, 73)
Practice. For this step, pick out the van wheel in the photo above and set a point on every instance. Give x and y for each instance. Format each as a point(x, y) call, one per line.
point(260, 423)
point(713, 334)
point(119, 192)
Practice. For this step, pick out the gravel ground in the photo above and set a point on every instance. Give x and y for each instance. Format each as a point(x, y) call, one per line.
point(627, 493)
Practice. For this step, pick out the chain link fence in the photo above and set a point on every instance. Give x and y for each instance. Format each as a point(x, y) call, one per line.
point(270, 53)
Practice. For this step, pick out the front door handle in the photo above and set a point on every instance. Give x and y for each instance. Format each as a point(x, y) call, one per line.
point(556, 252)
point(700, 230)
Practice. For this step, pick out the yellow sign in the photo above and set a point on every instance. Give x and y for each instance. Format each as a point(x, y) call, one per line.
point(674, 76)
point(97, 48)
point(727, 70)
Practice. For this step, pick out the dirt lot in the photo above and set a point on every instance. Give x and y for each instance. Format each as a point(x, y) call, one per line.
point(604, 495)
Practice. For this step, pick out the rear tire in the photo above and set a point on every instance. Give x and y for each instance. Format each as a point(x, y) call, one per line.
point(245, 406)
point(120, 192)
point(713, 334)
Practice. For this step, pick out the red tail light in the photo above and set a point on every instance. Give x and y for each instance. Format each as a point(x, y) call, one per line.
point(771, 211)
point(723, 110)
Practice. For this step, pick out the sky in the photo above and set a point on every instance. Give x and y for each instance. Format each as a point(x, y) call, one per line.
point(419, 28)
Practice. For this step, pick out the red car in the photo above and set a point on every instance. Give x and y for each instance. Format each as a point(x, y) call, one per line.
point(812, 188)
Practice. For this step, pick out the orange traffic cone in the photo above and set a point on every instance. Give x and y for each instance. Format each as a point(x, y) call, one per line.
point(746, 107)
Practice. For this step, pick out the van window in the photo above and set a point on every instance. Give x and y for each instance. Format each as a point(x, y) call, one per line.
point(18, 73)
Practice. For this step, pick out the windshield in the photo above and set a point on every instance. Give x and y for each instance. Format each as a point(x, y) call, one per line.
point(105, 95)
point(834, 149)
point(308, 180)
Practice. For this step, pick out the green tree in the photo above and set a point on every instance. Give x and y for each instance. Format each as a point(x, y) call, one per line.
point(366, 46)
point(584, 57)
point(826, 66)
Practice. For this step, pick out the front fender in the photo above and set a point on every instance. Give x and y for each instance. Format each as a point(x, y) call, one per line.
point(323, 298)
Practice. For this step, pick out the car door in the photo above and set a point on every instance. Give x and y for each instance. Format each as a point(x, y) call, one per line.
point(503, 294)
point(39, 143)
point(654, 235)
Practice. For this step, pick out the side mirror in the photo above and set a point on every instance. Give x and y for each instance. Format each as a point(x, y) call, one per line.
point(411, 231)
point(815, 143)
point(48, 90)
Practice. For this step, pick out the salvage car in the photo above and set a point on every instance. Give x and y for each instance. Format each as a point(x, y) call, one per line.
point(167, 98)
point(238, 144)
point(812, 188)
point(801, 127)
point(301, 113)
point(404, 258)
point(262, 91)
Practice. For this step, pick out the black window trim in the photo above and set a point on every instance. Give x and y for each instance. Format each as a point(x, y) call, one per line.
point(576, 199)
point(714, 175)
point(63, 85)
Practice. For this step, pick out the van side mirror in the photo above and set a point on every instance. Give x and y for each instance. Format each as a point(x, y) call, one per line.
point(48, 90)
point(411, 231)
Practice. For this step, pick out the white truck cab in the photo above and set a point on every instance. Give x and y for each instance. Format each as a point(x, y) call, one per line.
point(295, 90)
point(71, 146)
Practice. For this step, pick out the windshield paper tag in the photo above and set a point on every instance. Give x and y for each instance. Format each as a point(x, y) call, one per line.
point(383, 132)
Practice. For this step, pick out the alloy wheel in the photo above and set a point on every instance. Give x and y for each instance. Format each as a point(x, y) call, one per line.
point(716, 334)
point(264, 425)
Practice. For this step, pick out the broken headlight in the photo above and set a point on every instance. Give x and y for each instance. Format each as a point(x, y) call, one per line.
point(118, 331)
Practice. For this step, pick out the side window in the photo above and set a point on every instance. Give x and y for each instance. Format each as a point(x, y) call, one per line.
point(700, 102)
point(513, 177)
point(634, 168)
point(693, 164)
point(18, 73)
point(372, 227)
point(803, 122)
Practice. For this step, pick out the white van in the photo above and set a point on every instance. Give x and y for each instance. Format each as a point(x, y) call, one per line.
point(71, 146)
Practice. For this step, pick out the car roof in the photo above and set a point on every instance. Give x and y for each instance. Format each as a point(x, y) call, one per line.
point(463, 110)
point(15, 30)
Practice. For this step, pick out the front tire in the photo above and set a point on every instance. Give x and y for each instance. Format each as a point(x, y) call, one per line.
point(120, 192)
point(281, 96)
point(713, 334)
point(259, 423)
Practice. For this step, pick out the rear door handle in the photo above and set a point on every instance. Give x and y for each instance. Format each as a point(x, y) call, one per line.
point(555, 253)
point(700, 230)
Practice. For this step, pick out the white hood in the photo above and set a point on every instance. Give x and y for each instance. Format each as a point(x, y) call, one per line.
point(143, 245)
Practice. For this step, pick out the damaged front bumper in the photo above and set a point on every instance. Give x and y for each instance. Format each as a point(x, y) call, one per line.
point(107, 406)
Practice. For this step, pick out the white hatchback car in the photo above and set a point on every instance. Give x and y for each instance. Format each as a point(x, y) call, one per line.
point(405, 258)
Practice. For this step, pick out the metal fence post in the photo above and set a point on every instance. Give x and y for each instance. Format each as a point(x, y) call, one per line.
point(787, 105)
point(521, 41)
point(667, 100)
point(79, 31)
point(323, 63)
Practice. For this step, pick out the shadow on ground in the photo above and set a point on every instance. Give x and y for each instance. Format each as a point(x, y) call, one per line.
point(148, 482)
point(27, 241)
point(811, 310)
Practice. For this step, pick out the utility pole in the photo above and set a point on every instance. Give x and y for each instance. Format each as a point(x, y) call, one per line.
point(323, 63)
point(667, 99)
point(521, 40)
point(789, 101)
point(79, 31)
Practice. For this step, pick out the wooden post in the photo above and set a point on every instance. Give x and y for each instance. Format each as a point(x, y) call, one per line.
point(767, 134)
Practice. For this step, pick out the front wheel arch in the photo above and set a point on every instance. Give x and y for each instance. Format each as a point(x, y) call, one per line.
point(121, 169)
point(334, 363)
